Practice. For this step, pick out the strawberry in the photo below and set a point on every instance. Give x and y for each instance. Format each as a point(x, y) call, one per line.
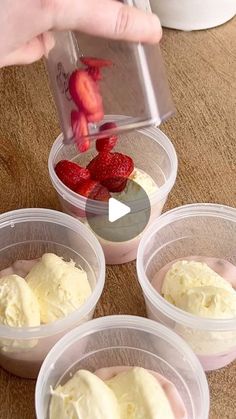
point(108, 125)
point(99, 166)
point(111, 169)
point(95, 73)
point(95, 62)
point(108, 143)
point(85, 93)
point(71, 174)
point(79, 126)
point(96, 117)
point(93, 190)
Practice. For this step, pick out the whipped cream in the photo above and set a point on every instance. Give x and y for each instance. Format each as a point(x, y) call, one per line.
point(18, 308)
point(133, 190)
point(60, 287)
point(18, 304)
point(84, 396)
point(196, 288)
point(132, 393)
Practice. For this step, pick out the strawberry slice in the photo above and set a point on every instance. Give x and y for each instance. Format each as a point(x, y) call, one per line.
point(107, 125)
point(96, 62)
point(95, 73)
point(111, 170)
point(96, 117)
point(85, 93)
point(93, 190)
point(108, 143)
point(71, 174)
point(79, 126)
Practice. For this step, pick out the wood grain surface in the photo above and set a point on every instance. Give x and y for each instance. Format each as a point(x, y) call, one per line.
point(202, 75)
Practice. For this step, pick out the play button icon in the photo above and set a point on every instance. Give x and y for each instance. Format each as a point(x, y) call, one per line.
point(123, 217)
point(117, 210)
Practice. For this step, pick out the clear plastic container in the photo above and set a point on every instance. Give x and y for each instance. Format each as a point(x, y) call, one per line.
point(125, 341)
point(144, 98)
point(205, 230)
point(28, 234)
point(151, 151)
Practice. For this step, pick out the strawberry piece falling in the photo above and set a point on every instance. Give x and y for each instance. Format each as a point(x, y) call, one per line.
point(95, 73)
point(108, 143)
point(108, 125)
point(95, 62)
point(71, 174)
point(93, 190)
point(96, 117)
point(111, 170)
point(79, 126)
point(85, 93)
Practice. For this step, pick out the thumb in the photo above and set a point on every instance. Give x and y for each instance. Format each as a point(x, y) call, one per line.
point(107, 18)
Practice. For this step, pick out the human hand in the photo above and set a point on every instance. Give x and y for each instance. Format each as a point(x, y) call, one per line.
point(26, 25)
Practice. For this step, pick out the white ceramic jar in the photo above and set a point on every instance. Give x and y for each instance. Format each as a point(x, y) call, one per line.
point(191, 15)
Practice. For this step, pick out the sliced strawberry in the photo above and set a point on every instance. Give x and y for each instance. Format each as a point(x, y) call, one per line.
point(85, 93)
point(96, 117)
point(93, 190)
point(111, 169)
point(95, 62)
point(108, 125)
point(108, 143)
point(95, 73)
point(79, 126)
point(71, 174)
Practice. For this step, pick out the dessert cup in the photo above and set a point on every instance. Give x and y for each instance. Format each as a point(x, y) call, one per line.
point(191, 15)
point(152, 153)
point(206, 231)
point(125, 341)
point(28, 234)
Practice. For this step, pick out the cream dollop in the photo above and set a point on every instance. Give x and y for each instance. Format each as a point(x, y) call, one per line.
point(60, 287)
point(133, 190)
point(18, 305)
point(84, 396)
point(131, 394)
point(196, 288)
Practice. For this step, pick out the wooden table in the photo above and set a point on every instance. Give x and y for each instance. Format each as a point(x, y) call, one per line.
point(202, 74)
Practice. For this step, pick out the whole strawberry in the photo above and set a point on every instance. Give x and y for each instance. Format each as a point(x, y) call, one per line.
point(111, 169)
point(71, 174)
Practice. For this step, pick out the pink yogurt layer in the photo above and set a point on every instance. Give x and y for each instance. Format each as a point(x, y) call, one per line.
point(170, 390)
point(227, 271)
